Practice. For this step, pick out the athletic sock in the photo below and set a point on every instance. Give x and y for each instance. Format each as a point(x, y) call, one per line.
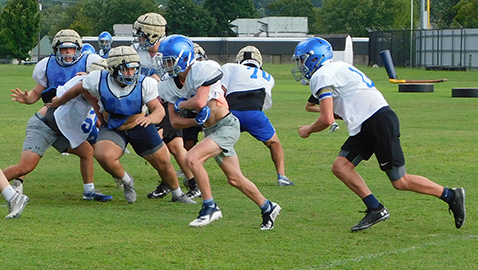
point(266, 207)
point(371, 202)
point(208, 202)
point(9, 193)
point(447, 195)
point(176, 192)
point(126, 178)
point(90, 187)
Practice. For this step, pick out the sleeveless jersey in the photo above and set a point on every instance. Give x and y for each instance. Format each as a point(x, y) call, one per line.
point(58, 75)
point(123, 107)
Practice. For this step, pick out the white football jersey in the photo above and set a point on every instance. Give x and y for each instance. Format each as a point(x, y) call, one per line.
point(76, 118)
point(148, 63)
point(200, 73)
point(92, 83)
point(39, 72)
point(354, 94)
point(241, 78)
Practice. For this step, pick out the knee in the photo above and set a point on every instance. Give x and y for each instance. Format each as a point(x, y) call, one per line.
point(235, 181)
point(191, 160)
point(400, 184)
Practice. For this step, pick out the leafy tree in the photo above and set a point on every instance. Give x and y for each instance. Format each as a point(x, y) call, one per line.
point(294, 8)
point(95, 16)
point(442, 13)
point(466, 13)
point(355, 16)
point(18, 28)
point(225, 11)
point(187, 18)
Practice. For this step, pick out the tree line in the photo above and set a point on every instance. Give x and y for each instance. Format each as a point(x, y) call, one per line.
point(22, 20)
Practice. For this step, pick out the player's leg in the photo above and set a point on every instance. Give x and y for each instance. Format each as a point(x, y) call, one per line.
point(16, 201)
point(85, 152)
point(176, 147)
point(148, 144)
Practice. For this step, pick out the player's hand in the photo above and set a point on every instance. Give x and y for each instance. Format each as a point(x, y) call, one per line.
point(143, 121)
point(203, 115)
point(176, 104)
point(304, 131)
point(19, 95)
point(54, 103)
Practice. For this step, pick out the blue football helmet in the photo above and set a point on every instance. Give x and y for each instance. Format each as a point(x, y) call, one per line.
point(309, 55)
point(104, 41)
point(87, 48)
point(176, 54)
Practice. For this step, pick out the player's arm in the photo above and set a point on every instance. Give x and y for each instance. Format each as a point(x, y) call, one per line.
point(155, 116)
point(68, 95)
point(326, 117)
point(198, 101)
point(177, 121)
point(94, 103)
point(27, 97)
point(312, 107)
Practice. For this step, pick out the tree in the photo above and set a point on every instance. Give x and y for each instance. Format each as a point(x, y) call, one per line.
point(18, 28)
point(466, 13)
point(226, 11)
point(355, 16)
point(442, 13)
point(294, 8)
point(96, 16)
point(187, 18)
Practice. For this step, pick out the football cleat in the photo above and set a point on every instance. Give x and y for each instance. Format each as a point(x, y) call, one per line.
point(284, 181)
point(17, 185)
point(119, 183)
point(183, 199)
point(206, 216)
point(160, 191)
point(269, 217)
point(457, 206)
point(97, 196)
point(372, 217)
point(129, 192)
point(17, 205)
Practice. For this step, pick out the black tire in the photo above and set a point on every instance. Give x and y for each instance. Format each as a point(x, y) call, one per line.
point(464, 92)
point(416, 87)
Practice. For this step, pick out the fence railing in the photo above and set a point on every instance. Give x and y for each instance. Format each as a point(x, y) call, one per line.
point(437, 48)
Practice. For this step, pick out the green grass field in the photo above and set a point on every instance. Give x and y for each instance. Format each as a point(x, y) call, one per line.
point(58, 230)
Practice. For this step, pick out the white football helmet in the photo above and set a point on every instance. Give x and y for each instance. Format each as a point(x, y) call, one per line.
point(100, 64)
point(119, 60)
point(67, 38)
point(199, 52)
point(148, 29)
point(249, 56)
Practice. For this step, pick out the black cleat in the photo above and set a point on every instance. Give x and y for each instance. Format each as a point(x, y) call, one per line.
point(372, 217)
point(457, 206)
point(161, 191)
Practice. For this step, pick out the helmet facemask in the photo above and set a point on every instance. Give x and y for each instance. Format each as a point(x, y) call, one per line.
point(123, 73)
point(67, 59)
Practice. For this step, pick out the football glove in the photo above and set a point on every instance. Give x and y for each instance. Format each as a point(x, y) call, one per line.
point(203, 115)
point(176, 104)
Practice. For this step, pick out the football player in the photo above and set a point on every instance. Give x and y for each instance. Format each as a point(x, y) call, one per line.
point(104, 42)
point(196, 88)
point(122, 94)
point(42, 130)
point(248, 92)
point(373, 127)
point(148, 30)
